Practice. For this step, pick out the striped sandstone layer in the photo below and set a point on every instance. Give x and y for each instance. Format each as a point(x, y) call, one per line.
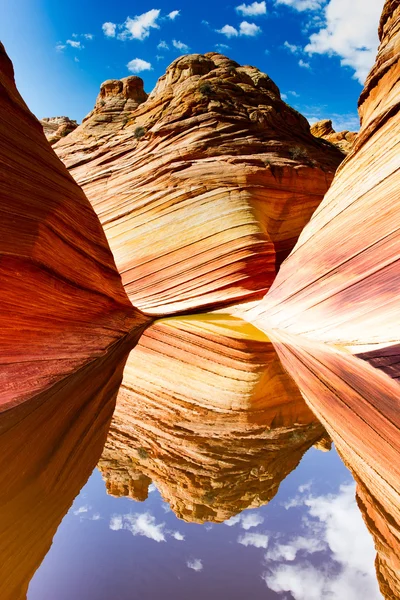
point(62, 301)
point(207, 412)
point(360, 408)
point(344, 140)
point(55, 128)
point(204, 188)
point(340, 284)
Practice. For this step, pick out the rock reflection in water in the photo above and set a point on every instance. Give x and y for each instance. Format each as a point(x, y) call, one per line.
point(360, 407)
point(207, 412)
point(48, 447)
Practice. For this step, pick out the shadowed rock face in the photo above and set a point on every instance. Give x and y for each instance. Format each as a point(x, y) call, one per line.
point(360, 408)
point(344, 140)
point(62, 301)
point(57, 127)
point(340, 284)
point(207, 413)
point(46, 456)
point(204, 188)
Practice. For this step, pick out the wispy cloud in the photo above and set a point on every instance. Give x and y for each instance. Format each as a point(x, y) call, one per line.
point(82, 509)
point(180, 46)
point(143, 524)
point(292, 47)
point(178, 536)
point(304, 64)
point(247, 520)
point(75, 44)
point(302, 5)
point(195, 564)
point(173, 14)
point(139, 27)
point(163, 45)
point(258, 540)
point(60, 47)
point(137, 65)
point(252, 10)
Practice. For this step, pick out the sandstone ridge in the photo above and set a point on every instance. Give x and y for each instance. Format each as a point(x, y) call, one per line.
point(344, 140)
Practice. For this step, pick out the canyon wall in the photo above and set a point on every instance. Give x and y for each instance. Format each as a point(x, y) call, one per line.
point(204, 186)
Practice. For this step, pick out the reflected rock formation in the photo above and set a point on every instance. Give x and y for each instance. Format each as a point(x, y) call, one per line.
point(204, 186)
point(340, 285)
point(46, 456)
point(62, 301)
point(207, 412)
point(360, 408)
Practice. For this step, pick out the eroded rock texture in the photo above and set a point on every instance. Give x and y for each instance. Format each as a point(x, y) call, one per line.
point(62, 301)
point(344, 140)
point(341, 282)
point(46, 456)
point(57, 127)
point(207, 412)
point(202, 189)
point(360, 408)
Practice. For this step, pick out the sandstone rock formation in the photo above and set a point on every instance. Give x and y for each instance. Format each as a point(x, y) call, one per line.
point(360, 408)
point(62, 301)
point(344, 140)
point(207, 413)
point(46, 457)
point(202, 189)
point(57, 127)
point(340, 283)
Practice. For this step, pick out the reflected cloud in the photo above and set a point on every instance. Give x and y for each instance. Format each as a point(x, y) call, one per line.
point(139, 524)
point(195, 564)
point(247, 520)
point(258, 540)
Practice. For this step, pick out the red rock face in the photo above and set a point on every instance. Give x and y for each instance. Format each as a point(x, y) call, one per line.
point(46, 456)
point(207, 413)
point(360, 408)
point(340, 284)
point(204, 188)
point(62, 302)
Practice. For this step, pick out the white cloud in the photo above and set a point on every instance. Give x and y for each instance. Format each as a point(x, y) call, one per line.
point(250, 29)
point(222, 46)
point(306, 486)
point(304, 64)
point(109, 29)
point(145, 524)
point(229, 31)
point(178, 536)
point(137, 65)
point(76, 59)
point(159, 57)
point(116, 522)
point(75, 44)
point(60, 47)
point(252, 10)
point(302, 5)
point(258, 540)
point(251, 520)
point(284, 96)
point(152, 488)
point(96, 517)
point(350, 32)
point(233, 520)
point(335, 524)
point(139, 27)
point(173, 14)
point(88, 36)
point(195, 564)
point(82, 509)
point(163, 45)
point(180, 46)
point(292, 47)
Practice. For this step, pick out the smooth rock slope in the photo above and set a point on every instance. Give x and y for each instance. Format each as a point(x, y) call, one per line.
point(204, 186)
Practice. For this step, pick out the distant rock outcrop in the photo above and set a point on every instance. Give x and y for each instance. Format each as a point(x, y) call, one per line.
point(344, 140)
point(202, 188)
point(57, 127)
point(61, 297)
point(340, 285)
point(207, 412)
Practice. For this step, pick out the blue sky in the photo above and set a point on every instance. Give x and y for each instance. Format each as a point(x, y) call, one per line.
point(317, 51)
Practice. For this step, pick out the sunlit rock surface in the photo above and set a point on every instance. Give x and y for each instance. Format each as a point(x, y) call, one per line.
point(208, 414)
point(62, 301)
point(341, 283)
point(57, 127)
point(344, 140)
point(46, 457)
point(202, 190)
point(360, 408)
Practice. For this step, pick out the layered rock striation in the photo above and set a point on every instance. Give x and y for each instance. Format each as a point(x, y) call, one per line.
point(62, 301)
point(208, 414)
point(344, 140)
point(340, 283)
point(204, 187)
point(57, 127)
